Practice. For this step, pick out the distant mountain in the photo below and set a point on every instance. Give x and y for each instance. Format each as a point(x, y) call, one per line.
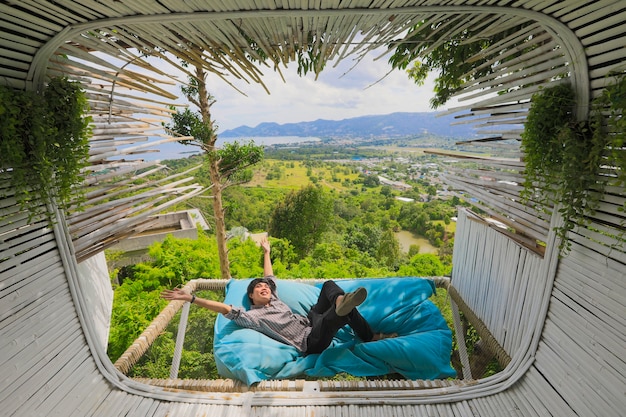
point(394, 124)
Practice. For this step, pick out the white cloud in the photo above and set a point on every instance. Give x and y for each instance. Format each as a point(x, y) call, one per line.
point(342, 91)
point(335, 95)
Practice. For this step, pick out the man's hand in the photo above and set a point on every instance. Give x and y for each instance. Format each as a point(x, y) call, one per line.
point(267, 261)
point(265, 244)
point(176, 294)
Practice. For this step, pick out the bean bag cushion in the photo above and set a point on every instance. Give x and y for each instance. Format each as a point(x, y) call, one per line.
point(393, 305)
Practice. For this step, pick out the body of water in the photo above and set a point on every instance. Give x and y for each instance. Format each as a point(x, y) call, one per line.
point(407, 239)
point(270, 140)
point(175, 150)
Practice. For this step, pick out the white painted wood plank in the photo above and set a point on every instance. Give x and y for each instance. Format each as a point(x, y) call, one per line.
point(28, 383)
point(507, 306)
point(59, 394)
point(144, 406)
point(580, 380)
point(16, 278)
point(608, 317)
point(558, 374)
point(24, 328)
point(512, 320)
point(13, 326)
point(522, 218)
point(533, 268)
point(116, 404)
point(29, 292)
point(604, 252)
point(590, 283)
point(16, 258)
point(596, 18)
point(94, 390)
point(596, 344)
point(541, 396)
point(21, 243)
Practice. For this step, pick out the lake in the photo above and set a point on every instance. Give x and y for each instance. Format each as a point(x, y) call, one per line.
point(270, 140)
point(407, 239)
point(175, 150)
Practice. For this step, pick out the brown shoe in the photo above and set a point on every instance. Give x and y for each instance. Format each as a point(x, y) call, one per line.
point(351, 300)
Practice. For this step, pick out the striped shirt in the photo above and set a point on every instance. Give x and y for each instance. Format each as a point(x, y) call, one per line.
point(275, 320)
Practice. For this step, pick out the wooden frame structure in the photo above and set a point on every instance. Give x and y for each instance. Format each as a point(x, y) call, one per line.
point(561, 320)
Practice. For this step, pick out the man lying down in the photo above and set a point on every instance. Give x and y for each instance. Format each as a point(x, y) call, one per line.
point(272, 317)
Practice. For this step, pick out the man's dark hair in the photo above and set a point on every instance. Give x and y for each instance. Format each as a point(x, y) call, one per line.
point(253, 284)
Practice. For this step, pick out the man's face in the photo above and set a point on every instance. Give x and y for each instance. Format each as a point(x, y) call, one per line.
point(261, 294)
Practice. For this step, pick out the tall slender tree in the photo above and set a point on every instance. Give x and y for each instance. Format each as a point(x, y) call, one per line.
point(226, 166)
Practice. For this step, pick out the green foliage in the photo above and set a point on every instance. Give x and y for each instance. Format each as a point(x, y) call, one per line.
point(44, 142)
point(609, 121)
point(245, 259)
point(135, 304)
point(249, 207)
point(331, 260)
point(551, 114)
point(176, 261)
point(358, 242)
point(563, 156)
point(189, 124)
point(282, 255)
point(302, 218)
point(307, 59)
point(420, 219)
point(448, 57)
point(197, 361)
point(364, 238)
point(388, 251)
point(413, 250)
point(370, 181)
point(234, 157)
point(424, 265)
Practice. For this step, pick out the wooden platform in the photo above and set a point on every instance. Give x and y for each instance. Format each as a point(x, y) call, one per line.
point(560, 320)
point(50, 369)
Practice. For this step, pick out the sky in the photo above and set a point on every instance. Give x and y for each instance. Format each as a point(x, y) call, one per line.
point(343, 90)
point(340, 92)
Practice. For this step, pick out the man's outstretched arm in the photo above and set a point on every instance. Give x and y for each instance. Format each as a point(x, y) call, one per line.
point(267, 260)
point(178, 294)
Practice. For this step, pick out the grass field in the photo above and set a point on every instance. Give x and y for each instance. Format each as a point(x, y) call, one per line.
point(294, 175)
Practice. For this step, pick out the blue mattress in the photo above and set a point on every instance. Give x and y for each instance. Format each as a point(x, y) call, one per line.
point(394, 305)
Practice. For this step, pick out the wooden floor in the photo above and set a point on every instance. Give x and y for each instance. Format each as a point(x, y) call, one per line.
point(561, 320)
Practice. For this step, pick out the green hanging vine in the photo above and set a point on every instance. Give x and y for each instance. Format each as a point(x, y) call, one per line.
point(609, 121)
point(564, 157)
point(44, 144)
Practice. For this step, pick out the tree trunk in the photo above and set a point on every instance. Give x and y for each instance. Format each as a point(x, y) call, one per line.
point(220, 224)
point(214, 173)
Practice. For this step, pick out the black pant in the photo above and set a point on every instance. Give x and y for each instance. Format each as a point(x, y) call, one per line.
point(325, 322)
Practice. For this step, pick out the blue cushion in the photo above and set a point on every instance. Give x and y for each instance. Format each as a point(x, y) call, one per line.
point(421, 350)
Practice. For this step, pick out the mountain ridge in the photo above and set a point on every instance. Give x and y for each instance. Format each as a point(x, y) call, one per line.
point(388, 125)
